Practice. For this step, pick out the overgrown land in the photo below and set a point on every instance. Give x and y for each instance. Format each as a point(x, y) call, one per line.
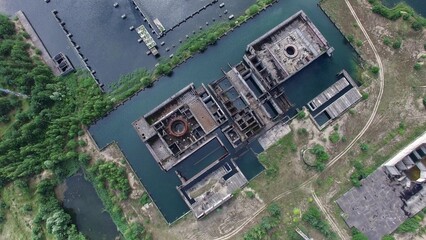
point(43, 140)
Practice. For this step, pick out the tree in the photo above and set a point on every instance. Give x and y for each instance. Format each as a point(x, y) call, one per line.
point(7, 28)
point(274, 210)
point(57, 224)
point(375, 69)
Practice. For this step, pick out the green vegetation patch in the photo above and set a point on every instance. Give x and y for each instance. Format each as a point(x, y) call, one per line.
point(334, 137)
point(272, 157)
point(357, 235)
point(132, 231)
point(313, 217)
point(321, 156)
point(266, 225)
point(400, 10)
point(113, 176)
point(411, 224)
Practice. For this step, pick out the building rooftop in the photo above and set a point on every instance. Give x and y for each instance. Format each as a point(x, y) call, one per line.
point(180, 125)
point(389, 195)
point(287, 48)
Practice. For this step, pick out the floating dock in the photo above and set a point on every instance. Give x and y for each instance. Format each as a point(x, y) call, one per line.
point(147, 39)
point(343, 103)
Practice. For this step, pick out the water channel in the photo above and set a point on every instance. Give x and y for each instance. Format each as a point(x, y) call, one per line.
point(202, 68)
point(418, 5)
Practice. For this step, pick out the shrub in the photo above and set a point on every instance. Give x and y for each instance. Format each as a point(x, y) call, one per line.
point(359, 174)
point(388, 237)
point(350, 38)
point(387, 41)
point(274, 210)
point(26, 35)
point(417, 26)
point(334, 137)
point(397, 44)
point(252, 10)
point(302, 132)
point(144, 199)
point(359, 43)
point(112, 175)
point(417, 66)
point(250, 194)
point(301, 115)
point(364, 147)
point(357, 235)
point(321, 157)
point(313, 217)
point(374, 70)
point(7, 28)
point(410, 225)
point(365, 95)
point(424, 101)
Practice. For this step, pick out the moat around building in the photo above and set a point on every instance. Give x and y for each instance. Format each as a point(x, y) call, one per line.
point(247, 103)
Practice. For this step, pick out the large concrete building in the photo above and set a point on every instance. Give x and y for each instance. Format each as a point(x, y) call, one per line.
point(390, 195)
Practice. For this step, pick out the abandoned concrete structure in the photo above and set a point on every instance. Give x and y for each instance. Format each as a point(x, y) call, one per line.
point(180, 125)
point(390, 195)
point(245, 103)
point(213, 186)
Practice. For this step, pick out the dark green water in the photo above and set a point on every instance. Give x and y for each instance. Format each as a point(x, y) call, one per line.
point(204, 69)
point(418, 5)
point(81, 200)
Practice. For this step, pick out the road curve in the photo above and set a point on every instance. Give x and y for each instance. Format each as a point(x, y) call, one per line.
point(341, 154)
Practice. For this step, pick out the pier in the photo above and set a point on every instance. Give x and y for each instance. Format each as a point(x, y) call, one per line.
point(147, 39)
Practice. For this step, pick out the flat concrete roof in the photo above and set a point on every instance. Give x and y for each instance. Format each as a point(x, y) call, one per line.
point(375, 208)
